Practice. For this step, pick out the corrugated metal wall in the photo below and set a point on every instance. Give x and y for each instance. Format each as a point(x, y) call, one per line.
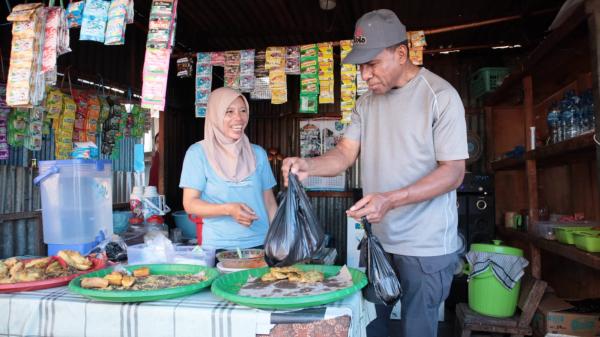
point(331, 212)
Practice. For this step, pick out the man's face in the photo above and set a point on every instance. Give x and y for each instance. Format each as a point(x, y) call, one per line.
point(382, 72)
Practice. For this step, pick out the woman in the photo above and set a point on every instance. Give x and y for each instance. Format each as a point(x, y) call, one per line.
point(226, 180)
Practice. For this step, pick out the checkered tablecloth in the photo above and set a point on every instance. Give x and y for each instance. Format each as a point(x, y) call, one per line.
point(58, 312)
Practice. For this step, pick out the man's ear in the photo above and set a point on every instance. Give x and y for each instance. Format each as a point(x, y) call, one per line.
point(402, 53)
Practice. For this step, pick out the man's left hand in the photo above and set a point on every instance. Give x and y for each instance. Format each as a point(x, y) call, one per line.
point(374, 206)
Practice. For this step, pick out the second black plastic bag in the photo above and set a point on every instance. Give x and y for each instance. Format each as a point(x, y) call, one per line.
point(381, 275)
point(295, 233)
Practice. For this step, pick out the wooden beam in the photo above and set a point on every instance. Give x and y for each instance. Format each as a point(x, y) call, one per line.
point(485, 22)
point(592, 9)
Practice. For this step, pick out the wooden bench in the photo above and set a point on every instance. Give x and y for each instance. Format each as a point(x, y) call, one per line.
point(518, 325)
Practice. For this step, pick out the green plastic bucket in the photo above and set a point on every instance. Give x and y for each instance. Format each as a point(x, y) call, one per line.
point(487, 295)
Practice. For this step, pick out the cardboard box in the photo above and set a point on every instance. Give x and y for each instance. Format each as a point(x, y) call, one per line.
point(552, 317)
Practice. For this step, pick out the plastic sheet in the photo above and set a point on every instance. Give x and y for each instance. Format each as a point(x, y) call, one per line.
point(295, 234)
point(381, 275)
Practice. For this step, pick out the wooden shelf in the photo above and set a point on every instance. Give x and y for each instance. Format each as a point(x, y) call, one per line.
point(553, 154)
point(567, 251)
point(548, 153)
point(508, 164)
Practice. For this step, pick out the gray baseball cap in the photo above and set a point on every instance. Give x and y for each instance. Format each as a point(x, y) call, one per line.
point(374, 32)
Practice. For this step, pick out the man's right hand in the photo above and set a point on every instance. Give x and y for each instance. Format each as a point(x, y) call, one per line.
point(241, 213)
point(298, 166)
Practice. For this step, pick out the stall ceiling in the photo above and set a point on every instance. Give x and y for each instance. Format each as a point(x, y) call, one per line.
point(238, 24)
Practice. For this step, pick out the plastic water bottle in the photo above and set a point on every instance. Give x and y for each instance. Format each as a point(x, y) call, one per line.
point(136, 204)
point(553, 120)
point(568, 116)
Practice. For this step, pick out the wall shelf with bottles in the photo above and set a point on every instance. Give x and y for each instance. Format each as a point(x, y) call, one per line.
point(567, 251)
point(556, 173)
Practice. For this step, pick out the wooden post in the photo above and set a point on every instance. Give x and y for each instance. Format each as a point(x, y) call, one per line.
point(592, 9)
point(531, 167)
point(531, 172)
point(161, 153)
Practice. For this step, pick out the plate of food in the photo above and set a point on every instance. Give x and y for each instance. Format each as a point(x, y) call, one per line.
point(29, 274)
point(297, 286)
point(142, 283)
point(242, 259)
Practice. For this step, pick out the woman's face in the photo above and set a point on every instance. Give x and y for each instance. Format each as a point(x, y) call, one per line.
point(236, 119)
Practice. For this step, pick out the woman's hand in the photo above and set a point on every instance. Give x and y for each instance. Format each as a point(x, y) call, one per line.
point(241, 213)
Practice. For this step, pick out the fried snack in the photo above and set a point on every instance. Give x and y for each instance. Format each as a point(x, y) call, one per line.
point(28, 275)
point(127, 281)
point(279, 275)
point(3, 270)
point(144, 271)
point(10, 262)
point(38, 263)
point(292, 274)
point(295, 277)
point(312, 276)
point(17, 267)
point(115, 278)
point(74, 259)
point(54, 268)
point(94, 282)
point(268, 277)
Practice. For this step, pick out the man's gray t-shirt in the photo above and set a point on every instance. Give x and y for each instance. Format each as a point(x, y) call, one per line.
point(402, 135)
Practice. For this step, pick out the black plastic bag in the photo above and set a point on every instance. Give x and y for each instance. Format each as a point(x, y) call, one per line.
point(383, 282)
point(295, 233)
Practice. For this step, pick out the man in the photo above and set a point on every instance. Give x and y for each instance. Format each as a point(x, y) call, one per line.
point(411, 134)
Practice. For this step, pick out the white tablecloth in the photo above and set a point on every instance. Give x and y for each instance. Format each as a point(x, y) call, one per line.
point(58, 312)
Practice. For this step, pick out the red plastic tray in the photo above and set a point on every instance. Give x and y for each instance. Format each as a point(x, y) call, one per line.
point(49, 283)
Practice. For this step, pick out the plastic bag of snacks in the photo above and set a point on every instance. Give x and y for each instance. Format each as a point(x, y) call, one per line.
point(382, 278)
point(295, 233)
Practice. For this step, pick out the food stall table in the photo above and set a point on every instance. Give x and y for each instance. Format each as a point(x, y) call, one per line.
point(59, 312)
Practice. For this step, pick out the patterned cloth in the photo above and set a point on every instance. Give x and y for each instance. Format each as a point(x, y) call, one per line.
point(59, 312)
point(508, 269)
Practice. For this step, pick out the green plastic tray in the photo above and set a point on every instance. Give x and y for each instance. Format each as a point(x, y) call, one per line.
point(565, 234)
point(227, 286)
point(146, 295)
point(588, 240)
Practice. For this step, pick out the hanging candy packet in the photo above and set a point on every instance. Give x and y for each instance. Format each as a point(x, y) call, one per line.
point(33, 138)
point(4, 111)
point(54, 103)
point(292, 60)
point(75, 13)
point(17, 126)
point(116, 23)
point(93, 24)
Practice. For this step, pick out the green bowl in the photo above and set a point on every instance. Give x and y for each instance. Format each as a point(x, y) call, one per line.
point(565, 234)
point(588, 240)
point(146, 295)
point(228, 285)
